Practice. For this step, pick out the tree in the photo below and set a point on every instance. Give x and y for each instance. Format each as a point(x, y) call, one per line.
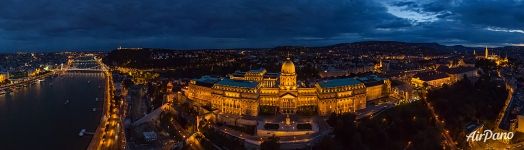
point(463, 102)
point(332, 119)
point(270, 144)
point(392, 128)
point(326, 143)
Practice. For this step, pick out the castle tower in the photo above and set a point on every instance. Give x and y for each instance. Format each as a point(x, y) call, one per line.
point(288, 77)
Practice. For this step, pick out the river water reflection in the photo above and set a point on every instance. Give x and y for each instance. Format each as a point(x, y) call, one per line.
point(50, 114)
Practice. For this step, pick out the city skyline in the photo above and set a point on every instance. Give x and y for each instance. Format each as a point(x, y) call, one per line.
point(262, 75)
point(91, 25)
point(338, 97)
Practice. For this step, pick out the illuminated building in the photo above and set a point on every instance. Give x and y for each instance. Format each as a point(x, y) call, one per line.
point(443, 75)
point(4, 76)
point(519, 124)
point(254, 91)
point(34, 72)
point(457, 74)
point(459, 63)
point(138, 76)
point(497, 59)
point(170, 95)
point(430, 79)
point(376, 87)
point(403, 92)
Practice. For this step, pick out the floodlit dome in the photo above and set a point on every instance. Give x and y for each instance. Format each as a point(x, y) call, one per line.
point(288, 67)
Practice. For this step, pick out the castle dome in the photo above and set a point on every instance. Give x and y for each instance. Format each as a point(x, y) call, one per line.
point(288, 67)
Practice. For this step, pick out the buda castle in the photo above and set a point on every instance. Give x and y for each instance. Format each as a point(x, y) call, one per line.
point(255, 91)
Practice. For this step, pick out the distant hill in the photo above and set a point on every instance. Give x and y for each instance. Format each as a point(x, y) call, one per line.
point(142, 57)
point(399, 46)
point(370, 46)
point(387, 46)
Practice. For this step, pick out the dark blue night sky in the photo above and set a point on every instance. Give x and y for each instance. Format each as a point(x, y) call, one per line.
point(45, 25)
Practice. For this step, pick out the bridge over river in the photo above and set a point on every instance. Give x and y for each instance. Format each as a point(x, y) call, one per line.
point(85, 63)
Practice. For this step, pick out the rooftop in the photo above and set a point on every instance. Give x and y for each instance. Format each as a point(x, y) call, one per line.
point(271, 75)
point(472, 126)
point(237, 83)
point(371, 80)
point(429, 76)
point(238, 74)
point(259, 70)
point(460, 70)
point(206, 81)
point(338, 82)
point(150, 135)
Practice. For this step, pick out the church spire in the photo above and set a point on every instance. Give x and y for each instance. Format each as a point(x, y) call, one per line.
point(486, 52)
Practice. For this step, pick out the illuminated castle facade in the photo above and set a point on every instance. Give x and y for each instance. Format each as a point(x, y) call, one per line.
point(248, 93)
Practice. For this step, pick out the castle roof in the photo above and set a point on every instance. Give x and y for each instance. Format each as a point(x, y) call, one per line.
point(371, 80)
point(237, 83)
point(288, 67)
point(259, 70)
point(338, 82)
point(271, 75)
point(207, 81)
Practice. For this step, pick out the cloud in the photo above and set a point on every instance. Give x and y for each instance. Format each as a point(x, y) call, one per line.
point(472, 22)
point(504, 30)
point(98, 24)
point(271, 21)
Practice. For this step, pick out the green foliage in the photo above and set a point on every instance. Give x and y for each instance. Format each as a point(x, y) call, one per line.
point(485, 64)
point(178, 64)
point(223, 140)
point(166, 120)
point(465, 102)
point(393, 129)
point(270, 144)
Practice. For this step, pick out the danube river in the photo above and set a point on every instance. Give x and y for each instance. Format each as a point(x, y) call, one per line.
point(51, 113)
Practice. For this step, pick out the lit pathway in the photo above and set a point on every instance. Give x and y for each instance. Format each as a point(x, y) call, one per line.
point(440, 123)
point(110, 132)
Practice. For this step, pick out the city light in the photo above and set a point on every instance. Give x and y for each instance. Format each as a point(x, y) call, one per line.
point(259, 75)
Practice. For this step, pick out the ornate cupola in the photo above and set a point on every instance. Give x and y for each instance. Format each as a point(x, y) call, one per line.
point(288, 77)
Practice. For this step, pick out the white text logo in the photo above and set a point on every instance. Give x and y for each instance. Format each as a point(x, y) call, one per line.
point(488, 134)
